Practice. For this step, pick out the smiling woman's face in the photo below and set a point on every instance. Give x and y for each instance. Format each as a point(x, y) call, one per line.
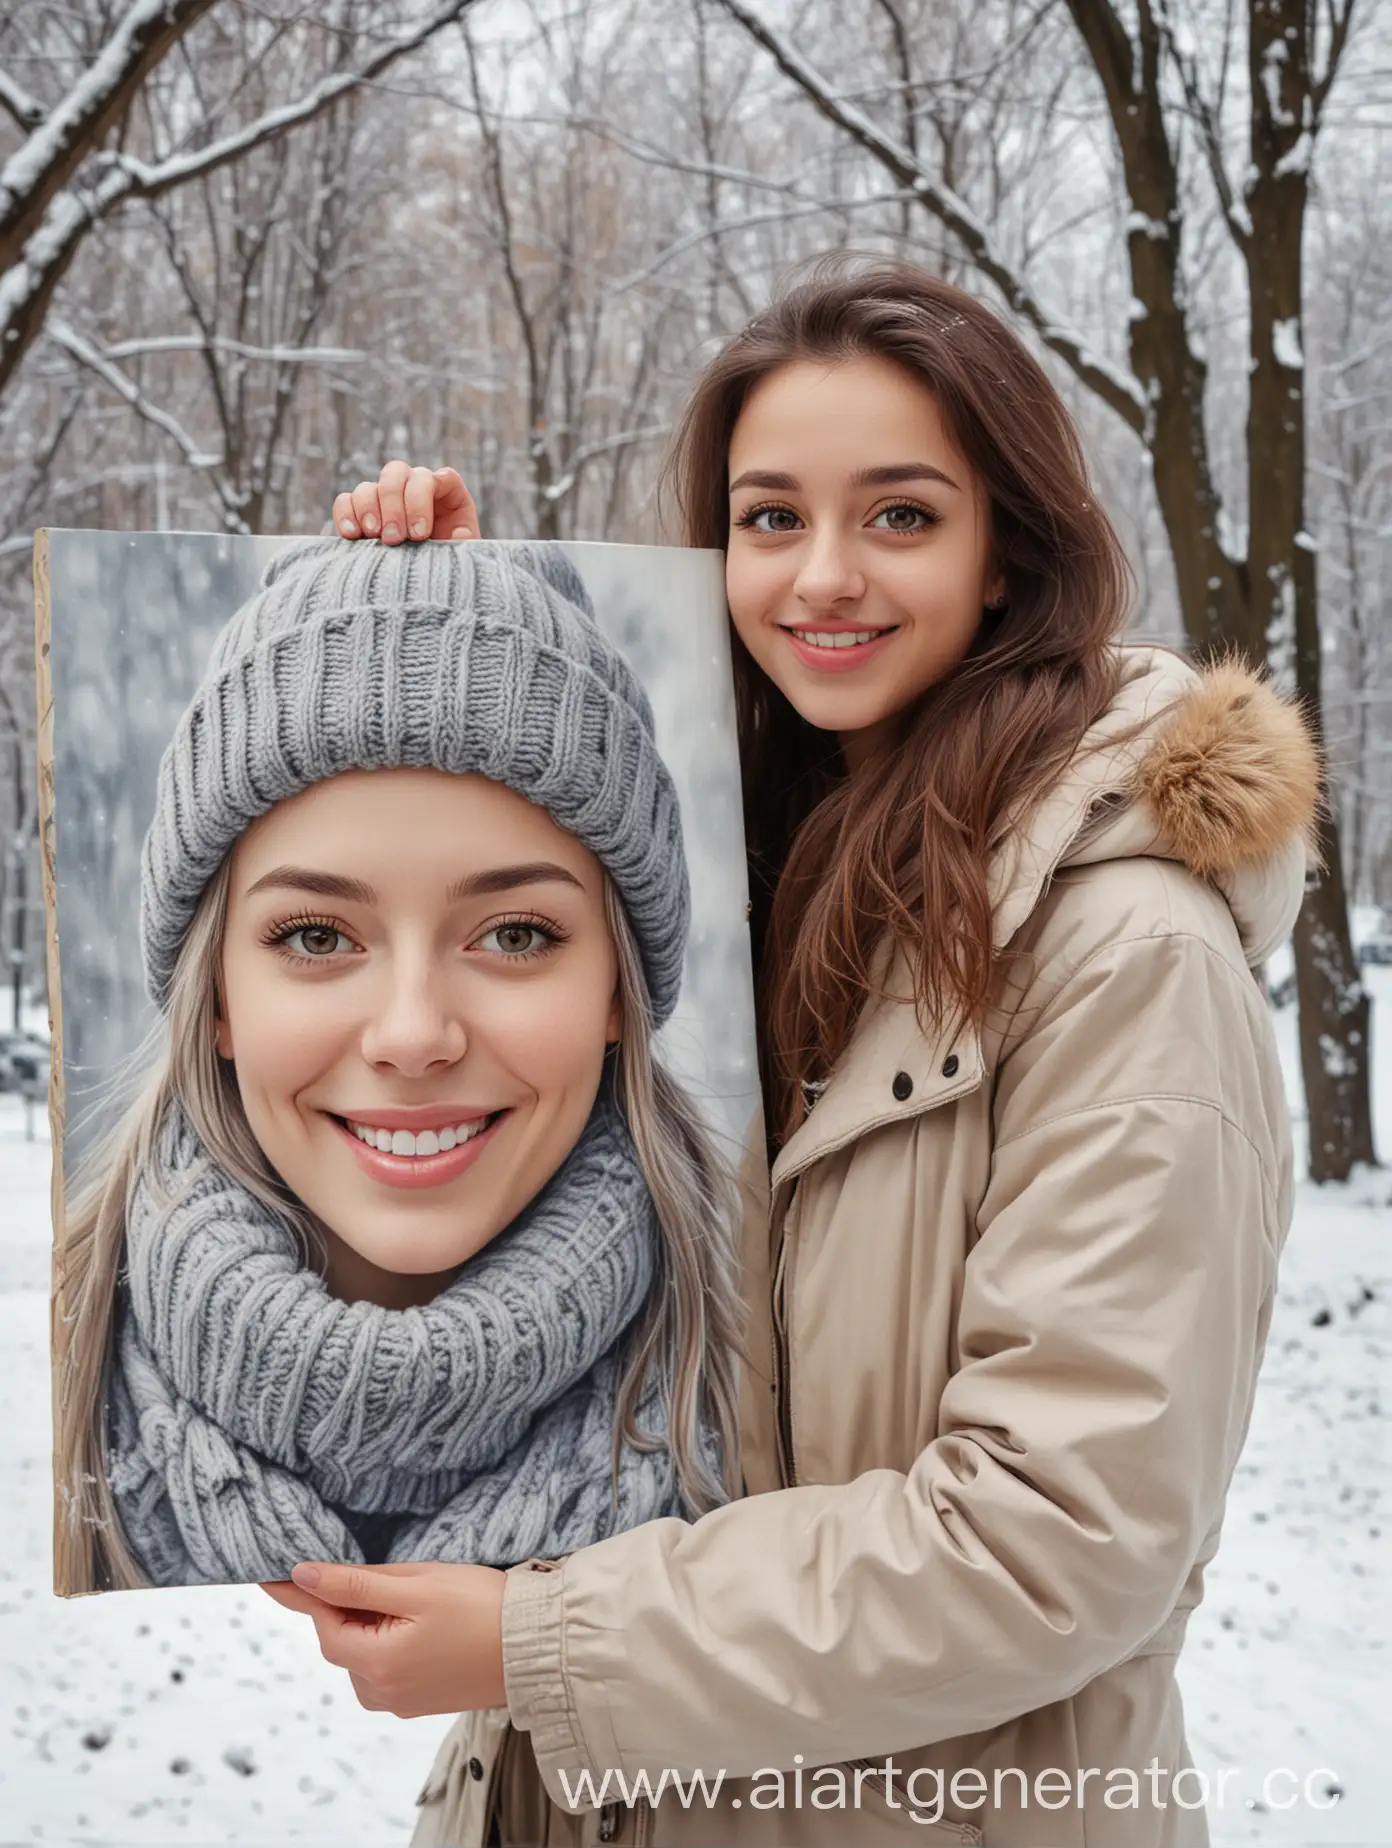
point(418, 988)
point(859, 552)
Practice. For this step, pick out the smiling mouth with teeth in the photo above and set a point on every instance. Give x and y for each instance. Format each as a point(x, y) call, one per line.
point(421, 1141)
point(842, 638)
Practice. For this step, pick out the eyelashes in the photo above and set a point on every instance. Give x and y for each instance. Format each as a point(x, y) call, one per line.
point(281, 935)
point(751, 514)
point(928, 515)
point(553, 936)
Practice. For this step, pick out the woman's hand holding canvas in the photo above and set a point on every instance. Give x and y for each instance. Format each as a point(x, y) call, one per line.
point(415, 1639)
point(406, 502)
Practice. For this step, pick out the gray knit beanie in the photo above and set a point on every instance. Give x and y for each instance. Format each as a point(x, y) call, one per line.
point(476, 656)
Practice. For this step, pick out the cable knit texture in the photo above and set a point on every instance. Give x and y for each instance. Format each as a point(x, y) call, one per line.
point(256, 1421)
point(479, 656)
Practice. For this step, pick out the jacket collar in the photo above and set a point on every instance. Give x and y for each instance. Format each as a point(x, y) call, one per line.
point(1211, 769)
point(890, 1070)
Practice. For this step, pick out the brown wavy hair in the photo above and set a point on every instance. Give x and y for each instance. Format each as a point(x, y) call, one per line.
point(899, 853)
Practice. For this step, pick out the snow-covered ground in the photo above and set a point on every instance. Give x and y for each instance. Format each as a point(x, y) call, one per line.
point(209, 1716)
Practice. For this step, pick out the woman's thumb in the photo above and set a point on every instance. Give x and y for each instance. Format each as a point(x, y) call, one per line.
point(359, 1588)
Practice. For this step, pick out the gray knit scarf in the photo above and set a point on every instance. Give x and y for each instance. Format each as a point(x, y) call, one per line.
point(254, 1420)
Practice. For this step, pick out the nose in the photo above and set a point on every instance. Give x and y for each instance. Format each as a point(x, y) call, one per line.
point(829, 572)
point(418, 1023)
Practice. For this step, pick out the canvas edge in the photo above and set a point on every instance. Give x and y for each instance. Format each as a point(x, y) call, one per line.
point(43, 678)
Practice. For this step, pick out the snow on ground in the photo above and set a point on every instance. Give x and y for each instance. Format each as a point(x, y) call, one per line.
point(209, 1716)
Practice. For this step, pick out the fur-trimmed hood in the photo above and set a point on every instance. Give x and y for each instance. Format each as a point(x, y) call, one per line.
point(1213, 769)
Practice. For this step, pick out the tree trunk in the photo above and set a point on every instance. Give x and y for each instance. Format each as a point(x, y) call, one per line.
point(1212, 585)
point(1266, 607)
point(1334, 1009)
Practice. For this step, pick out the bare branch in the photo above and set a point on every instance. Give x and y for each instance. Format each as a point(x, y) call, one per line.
point(904, 59)
point(1115, 386)
point(1340, 19)
point(125, 387)
point(602, 446)
point(223, 343)
point(721, 227)
point(49, 158)
point(148, 180)
point(655, 156)
point(27, 283)
point(1205, 118)
point(18, 103)
point(1110, 47)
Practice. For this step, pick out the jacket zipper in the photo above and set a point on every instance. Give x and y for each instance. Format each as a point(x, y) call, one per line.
point(609, 1821)
point(787, 1467)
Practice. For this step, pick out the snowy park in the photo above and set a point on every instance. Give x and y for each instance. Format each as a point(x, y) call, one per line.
point(251, 249)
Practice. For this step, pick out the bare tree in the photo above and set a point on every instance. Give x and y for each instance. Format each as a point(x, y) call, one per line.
point(80, 155)
point(252, 254)
point(555, 213)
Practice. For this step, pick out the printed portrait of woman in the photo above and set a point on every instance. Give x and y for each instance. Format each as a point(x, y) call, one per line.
point(409, 1232)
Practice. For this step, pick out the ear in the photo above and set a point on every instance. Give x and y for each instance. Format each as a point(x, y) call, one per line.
point(223, 1038)
point(613, 1027)
point(996, 592)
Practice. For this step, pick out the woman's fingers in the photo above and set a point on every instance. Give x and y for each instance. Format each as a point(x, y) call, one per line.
point(419, 498)
point(408, 503)
point(391, 496)
point(456, 516)
point(367, 509)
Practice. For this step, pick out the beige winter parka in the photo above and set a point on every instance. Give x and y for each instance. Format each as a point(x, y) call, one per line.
point(1007, 1308)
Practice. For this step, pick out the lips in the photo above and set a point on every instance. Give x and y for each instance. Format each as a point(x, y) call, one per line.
point(837, 638)
point(837, 648)
point(419, 1141)
point(413, 1116)
point(395, 1166)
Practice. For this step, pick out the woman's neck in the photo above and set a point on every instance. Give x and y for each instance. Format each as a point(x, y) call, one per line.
point(353, 1278)
point(858, 746)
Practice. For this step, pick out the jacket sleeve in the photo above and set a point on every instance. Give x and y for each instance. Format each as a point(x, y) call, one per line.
point(1113, 1315)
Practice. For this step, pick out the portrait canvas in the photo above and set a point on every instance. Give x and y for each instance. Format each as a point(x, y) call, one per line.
point(305, 1405)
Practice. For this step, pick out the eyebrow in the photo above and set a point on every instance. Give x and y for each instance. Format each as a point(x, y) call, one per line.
point(886, 477)
point(358, 892)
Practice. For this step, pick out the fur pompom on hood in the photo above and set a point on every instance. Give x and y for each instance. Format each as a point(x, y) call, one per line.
point(1232, 774)
point(1212, 768)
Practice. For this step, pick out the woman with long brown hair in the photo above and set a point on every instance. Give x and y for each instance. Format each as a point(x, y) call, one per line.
point(1031, 1169)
